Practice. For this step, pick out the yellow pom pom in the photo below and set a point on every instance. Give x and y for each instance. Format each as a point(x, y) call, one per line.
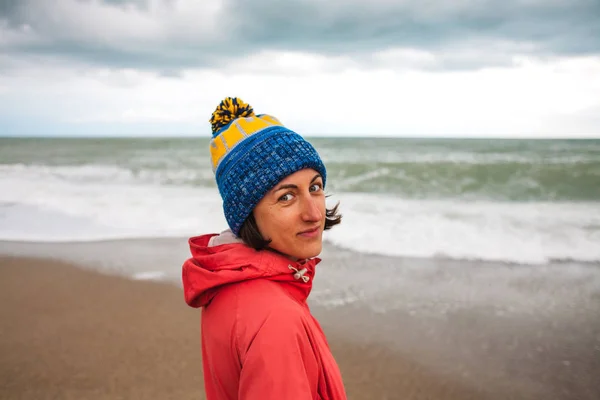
point(228, 110)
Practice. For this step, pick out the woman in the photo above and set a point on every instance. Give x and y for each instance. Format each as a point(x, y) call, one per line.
point(259, 339)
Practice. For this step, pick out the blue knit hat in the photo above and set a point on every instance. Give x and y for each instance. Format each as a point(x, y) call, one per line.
point(251, 154)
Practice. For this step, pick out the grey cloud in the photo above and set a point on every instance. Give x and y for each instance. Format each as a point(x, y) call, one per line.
point(137, 3)
point(334, 28)
point(573, 27)
point(9, 11)
point(171, 73)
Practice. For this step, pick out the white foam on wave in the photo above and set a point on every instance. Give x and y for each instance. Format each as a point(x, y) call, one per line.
point(102, 173)
point(149, 276)
point(348, 182)
point(70, 173)
point(39, 204)
point(444, 155)
point(530, 233)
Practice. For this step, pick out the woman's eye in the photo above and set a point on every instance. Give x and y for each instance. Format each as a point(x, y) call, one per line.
point(286, 197)
point(316, 187)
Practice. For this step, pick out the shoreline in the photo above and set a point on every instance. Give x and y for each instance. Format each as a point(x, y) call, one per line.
point(97, 336)
point(494, 330)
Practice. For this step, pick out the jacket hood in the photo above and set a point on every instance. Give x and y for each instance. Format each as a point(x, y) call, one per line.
point(219, 260)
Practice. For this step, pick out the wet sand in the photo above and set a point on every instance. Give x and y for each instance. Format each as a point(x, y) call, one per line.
point(516, 333)
point(72, 333)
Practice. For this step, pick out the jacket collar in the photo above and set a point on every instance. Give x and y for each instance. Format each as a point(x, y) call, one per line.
point(219, 260)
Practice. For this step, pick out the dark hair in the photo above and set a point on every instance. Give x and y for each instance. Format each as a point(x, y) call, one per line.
point(252, 237)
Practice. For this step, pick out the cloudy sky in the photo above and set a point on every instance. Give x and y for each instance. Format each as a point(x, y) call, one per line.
point(510, 68)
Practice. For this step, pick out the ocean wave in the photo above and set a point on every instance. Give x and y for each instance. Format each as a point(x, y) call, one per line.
point(524, 209)
point(52, 209)
point(503, 182)
point(490, 170)
point(525, 233)
point(507, 182)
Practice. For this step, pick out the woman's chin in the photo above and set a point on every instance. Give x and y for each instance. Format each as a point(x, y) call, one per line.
point(302, 251)
point(308, 251)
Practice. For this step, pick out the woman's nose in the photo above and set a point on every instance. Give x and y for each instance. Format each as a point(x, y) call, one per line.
point(310, 210)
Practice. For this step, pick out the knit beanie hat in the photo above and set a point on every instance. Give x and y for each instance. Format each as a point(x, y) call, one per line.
point(250, 154)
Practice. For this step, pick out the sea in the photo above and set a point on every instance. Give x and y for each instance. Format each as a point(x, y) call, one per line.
point(475, 257)
point(510, 201)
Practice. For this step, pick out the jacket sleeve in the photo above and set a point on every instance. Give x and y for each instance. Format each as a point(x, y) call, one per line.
point(279, 361)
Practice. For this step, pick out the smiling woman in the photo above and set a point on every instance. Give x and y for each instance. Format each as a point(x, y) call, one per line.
point(296, 195)
point(259, 339)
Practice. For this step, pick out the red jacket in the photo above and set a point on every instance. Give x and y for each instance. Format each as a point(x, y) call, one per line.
point(259, 339)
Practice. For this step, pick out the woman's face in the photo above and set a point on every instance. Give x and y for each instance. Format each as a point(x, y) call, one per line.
point(292, 215)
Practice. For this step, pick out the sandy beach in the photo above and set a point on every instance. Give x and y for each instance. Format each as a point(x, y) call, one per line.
point(71, 333)
point(107, 320)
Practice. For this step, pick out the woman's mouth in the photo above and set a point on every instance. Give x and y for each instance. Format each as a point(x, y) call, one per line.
point(310, 233)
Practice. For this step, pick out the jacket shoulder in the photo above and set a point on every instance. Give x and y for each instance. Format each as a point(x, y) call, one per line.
point(250, 302)
point(261, 297)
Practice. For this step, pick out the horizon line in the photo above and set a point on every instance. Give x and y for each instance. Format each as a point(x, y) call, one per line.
point(202, 137)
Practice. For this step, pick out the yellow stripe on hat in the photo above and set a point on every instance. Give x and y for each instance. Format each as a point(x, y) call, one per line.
point(231, 136)
point(254, 124)
point(217, 150)
point(236, 132)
